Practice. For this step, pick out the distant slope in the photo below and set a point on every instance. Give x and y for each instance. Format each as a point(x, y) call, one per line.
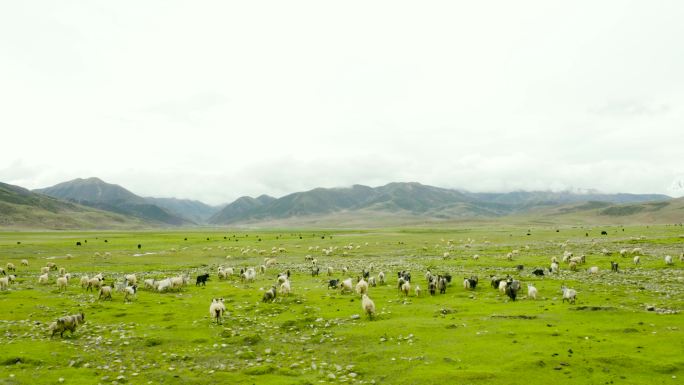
point(96, 193)
point(412, 202)
point(192, 210)
point(656, 212)
point(23, 209)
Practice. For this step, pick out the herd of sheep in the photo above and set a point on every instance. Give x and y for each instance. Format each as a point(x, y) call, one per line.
point(282, 284)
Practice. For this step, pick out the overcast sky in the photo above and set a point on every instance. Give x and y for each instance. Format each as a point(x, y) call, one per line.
point(215, 100)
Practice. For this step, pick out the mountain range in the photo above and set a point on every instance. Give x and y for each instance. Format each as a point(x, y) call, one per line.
point(91, 202)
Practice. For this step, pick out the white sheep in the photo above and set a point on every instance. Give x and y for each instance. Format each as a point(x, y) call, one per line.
point(84, 281)
point(285, 288)
point(129, 291)
point(637, 259)
point(106, 292)
point(362, 287)
point(11, 267)
point(149, 283)
point(131, 279)
point(94, 282)
point(593, 270)
point(4, 283)
point(163, 285)
point(417, 291)
point(381, 277)
point(554, 267)
point(43, 279)
point(406, 288)
point(62, 283)
point(24, 262)
point(637, 250)
point(330, 271)
point(346, 286)
point(531, 292)
point(569, 295)
point(368, 306)
point(62, 271)
point(44, 270)
point(372, 282)
point(216, 310)
point(502, 285)
point(668, 259)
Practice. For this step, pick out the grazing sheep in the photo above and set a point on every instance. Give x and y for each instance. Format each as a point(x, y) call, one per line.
point(333, 283)
point(11, 267)
point(315, 271)
point(512, 288)
point(163, 285)
point(372, 282)
point(24, 262)
point(62, 283)
point(569, 295)
point(432, 287)
point(106, 292)
point(51, 265)
point(381, 278)
point(502, 286)
point(149, 283)
point(4, 283)
point(94, 282)
point(554, 268)
point(282, 277)
point(84, 281)
point(330, 271)
point(554, 260)
point(362, 287)
point(62, 271)
point(593, 270)
point(531, 292)
point(202, 279)
point(346, 286)
point(573, 266)
point(43, 279)
point(614, 266)
point(406, 288)
point(285, 288)
point(44, 270)
point(470, 283)
point(637, 259)
point(129, 291)
point(538, 272)
point(368, 306)
point(69, 323)
point(217, 309)
point(131, 279)
point(270, 294)
point(668, 260)
point(178, 282)
point(442, 284)
point(637, 250)
point(417, 291)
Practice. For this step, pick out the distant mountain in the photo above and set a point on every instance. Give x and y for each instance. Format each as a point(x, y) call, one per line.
point(405, 200)
point(192, 210)
point(96, 193)
point(23, 209)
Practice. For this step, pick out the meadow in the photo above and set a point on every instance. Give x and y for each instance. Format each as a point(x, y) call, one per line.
point(625, 328)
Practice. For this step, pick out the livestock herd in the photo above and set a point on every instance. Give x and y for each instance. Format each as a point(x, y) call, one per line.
point(282, 284)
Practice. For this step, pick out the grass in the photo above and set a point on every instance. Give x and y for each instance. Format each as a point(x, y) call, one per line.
point(463, 337)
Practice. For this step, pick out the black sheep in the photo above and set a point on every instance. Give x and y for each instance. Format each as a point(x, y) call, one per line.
point(202, 279)
point(333, 283)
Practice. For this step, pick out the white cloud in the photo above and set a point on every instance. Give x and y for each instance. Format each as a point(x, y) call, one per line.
point(215, 100)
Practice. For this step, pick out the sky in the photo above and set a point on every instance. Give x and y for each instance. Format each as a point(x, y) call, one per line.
point(216, 100)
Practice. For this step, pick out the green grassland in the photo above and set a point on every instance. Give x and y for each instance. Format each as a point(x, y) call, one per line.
point(313, 336)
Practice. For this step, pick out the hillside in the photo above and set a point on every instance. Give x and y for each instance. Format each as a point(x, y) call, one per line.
point(405, 203)
point(94, 192)
point(192, 210)
point(23, 209)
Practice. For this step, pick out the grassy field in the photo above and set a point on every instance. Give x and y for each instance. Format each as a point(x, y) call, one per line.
point(314, 335)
